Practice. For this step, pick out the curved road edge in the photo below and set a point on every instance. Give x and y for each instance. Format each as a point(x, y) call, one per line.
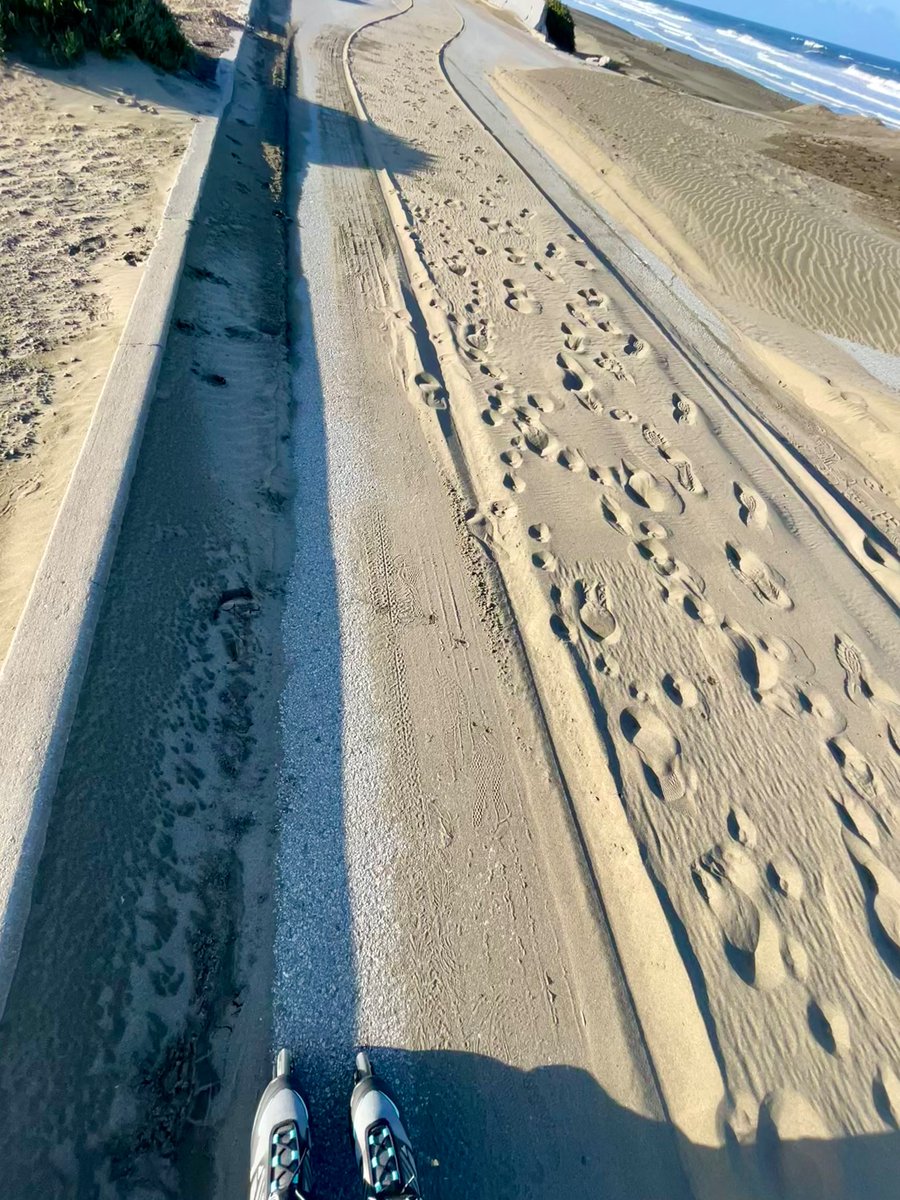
point(674, 1033)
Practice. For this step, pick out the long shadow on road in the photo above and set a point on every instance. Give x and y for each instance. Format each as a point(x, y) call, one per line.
point(137, 1032)
point(488, 1131)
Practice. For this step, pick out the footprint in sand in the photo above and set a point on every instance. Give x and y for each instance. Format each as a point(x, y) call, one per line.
point(684, 409)
point(698, 608)
point(829, 1026)
point(763, 581)
point(687, 477)
point(607, 476)
point(652, 492)
point(492, 225)
point(656, 550)
point(616, 514)
point(572, 459)
point(520, 299)
point(741, 827)
point(514, 482)
point(544, 404)
point(796, 958)
point(578, 314)
point(538, 439)
point(546, 272)
point(512, 457)
point(655, 529)
point(594, 612)
point(659, 750)
point(852, 661)
point(684, 589)
point(784, 876)
point(885, 556)
point(753, 511)
point(684, 470)
point(577, 379)
point(761, 664)
point(608, 327)
point(486, 527)
point(574, 341)
point(857, 770)
point(540, 532)
point(884, 898)
point(728, 880)
point(655, 439)
point(610, 364)
point(886, 1094)
point(593, 298)
point(681, 691)
point(861, 682)
point(554, 251)
point(634, 347)
point(514, 256)
point(855, 816)
point(624, 414)
point(478, 337)
point(432, 392)
point(457, 265)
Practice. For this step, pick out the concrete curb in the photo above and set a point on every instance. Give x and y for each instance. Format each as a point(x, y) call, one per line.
point(45, 666)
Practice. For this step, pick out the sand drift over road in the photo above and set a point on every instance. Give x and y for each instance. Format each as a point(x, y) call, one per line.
point(496, 670)
point(697, 645)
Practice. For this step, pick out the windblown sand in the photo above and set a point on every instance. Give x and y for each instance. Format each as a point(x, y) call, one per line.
point(208, 25)
point(87, 158)
point(785, 223)
point(715, 651)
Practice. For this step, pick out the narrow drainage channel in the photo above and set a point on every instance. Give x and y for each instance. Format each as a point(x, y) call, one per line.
point(138, 1028)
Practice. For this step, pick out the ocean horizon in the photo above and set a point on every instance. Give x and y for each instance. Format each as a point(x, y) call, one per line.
point(798, 65)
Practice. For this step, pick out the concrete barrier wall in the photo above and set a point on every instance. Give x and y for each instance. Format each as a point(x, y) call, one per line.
point(529, 12)
point(44, 668)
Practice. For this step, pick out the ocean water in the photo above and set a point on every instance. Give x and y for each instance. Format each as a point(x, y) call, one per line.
point(806, 70)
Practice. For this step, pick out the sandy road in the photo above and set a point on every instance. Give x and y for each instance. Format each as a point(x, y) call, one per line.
point(460, 932)
point(349, 704)
point(611, 431)
point(428, 892)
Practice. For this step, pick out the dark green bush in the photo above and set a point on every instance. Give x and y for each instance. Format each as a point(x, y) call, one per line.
point(560, 26)
point(64, 29)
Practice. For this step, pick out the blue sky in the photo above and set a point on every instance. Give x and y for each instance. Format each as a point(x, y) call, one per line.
point(872, 25)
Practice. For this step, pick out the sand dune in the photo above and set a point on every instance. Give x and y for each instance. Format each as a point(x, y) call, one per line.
point(712, 664)
point(722, 197)
point(87, 157)
point(767, 235)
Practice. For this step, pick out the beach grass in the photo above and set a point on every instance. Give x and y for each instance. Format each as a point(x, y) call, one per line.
point(560, 26)
point(65, 29)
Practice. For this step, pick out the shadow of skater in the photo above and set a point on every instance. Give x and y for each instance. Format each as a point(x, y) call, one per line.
point(484, 1130)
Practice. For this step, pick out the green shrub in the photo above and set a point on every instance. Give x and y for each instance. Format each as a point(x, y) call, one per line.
point(64, 29)
point(560, 26)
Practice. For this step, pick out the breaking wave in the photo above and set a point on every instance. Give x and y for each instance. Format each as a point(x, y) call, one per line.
point(806, 70)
